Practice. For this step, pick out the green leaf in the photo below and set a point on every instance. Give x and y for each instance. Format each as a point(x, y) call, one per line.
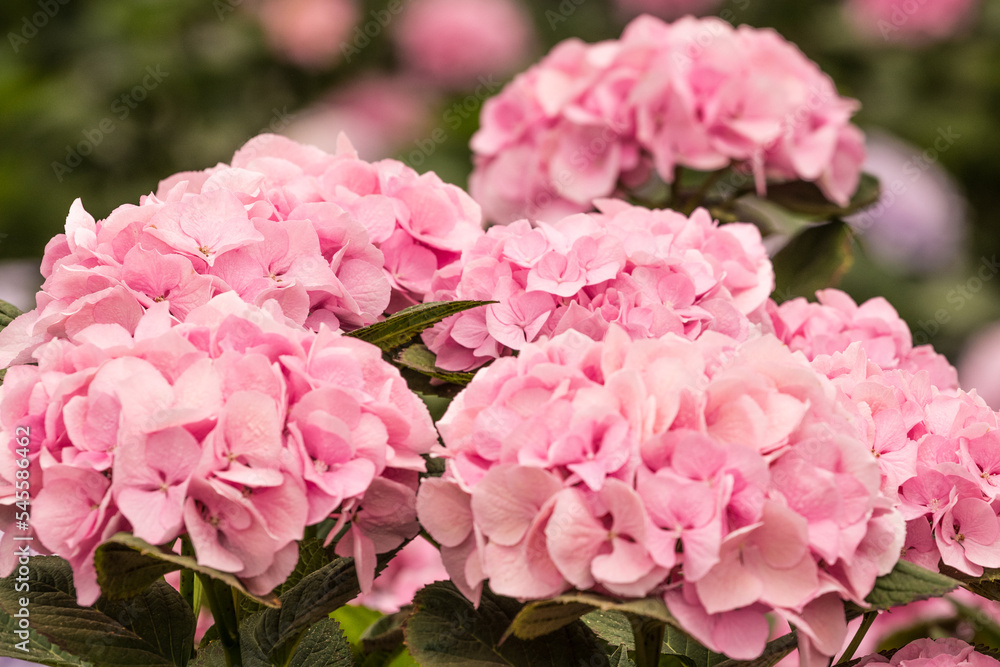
point(436, 405)
point(611, 626)
point(126, 565)
point(814, 259)
point(323, 646)
point(773, 653)
point(39, 649)
point(397, 330)
point(985, 626)
point(806, 198)
point(907, 583)
point(385, 634)
point(354, 620)
point(55, 617)
point(160, 616)
point(274, 631)
point(312, 556)
point(540, 618)
point(445, 629)
point(679, 643)
point(673, 660)
point(8, 313)
point(620, 658)
point(418, 358)
point(211, 655)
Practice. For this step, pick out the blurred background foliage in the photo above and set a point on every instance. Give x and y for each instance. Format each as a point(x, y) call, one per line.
point(209, 76)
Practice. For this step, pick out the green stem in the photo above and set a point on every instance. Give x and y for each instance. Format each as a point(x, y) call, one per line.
point(648, 634)
point(220, 601)
point(696, 199)
point(675, 187)
point(866, 622)
point(187, 576)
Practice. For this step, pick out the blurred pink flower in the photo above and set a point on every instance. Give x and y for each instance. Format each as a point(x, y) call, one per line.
point(308, 32)
point(979, 365)
point(914, 22)
point(379, 113)
point(919, 224)
point(456, 42)
point(416, 565)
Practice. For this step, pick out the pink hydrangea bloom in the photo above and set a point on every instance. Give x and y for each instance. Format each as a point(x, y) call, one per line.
point(696, 93)
point(330, 239)
point(835, 321)
point(232, 427)
point(415, 566)
point(895, 21)
point(946, 652)
point(310, 33)
point(455, 43)
point(651, 272)
point(937, 452)
point(724, 476)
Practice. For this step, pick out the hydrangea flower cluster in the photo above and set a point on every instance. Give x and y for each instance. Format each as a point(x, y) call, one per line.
point(606, 465)
point(651, 272)
point(232, 428)
point(331, 239)
point(835, 321)
point(696, 93)
point(945, 652)
point(939, 456)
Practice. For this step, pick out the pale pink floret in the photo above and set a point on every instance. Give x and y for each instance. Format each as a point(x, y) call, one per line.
point(585, 464)
point(697, 93)
point(651, 272)
point(233, 427)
